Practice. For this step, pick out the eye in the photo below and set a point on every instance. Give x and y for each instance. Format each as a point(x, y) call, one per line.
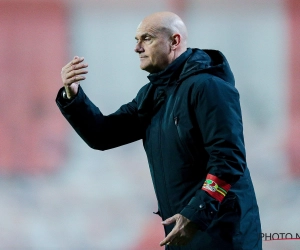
point(147, 38)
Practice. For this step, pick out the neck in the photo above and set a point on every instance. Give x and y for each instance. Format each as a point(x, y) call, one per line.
point(177, 53)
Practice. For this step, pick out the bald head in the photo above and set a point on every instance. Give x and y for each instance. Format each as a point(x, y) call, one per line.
point(168, 23)
point(161, 38)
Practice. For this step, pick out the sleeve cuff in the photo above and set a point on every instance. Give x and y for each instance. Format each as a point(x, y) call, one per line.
point(63, 102)
point(200, 212)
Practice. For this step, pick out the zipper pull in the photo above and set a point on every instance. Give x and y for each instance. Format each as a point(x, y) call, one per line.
point(176, 120)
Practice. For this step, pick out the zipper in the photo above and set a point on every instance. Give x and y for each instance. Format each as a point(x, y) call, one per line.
point(163, 169)
point(186, 150)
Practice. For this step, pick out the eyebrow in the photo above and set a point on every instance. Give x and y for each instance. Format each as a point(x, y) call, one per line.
point(144, 35)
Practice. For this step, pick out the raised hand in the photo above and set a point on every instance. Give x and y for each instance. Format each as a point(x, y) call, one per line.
point(72, 74)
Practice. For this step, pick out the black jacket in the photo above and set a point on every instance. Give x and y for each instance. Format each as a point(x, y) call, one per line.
point(190, 121)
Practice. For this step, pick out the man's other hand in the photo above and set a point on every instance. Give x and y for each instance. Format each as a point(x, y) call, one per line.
point(72, 74)
point(183, 231)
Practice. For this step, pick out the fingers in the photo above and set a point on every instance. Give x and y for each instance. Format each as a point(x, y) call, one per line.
point(175, 240)
point(76, 78)
point(172, 234)
point(76, 60)
point(168, 240)
point(75, 64)
point(170, 220)
point(182, 232)
point(74, 71)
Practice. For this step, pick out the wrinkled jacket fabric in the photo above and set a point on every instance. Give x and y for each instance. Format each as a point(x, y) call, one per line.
point(189, 119)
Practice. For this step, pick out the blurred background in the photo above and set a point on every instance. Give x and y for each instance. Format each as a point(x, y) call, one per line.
point(57, 193)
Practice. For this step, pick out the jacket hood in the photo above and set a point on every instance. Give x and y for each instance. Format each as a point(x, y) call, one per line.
point(191, 62)
point(194, 61)
point(207, 61)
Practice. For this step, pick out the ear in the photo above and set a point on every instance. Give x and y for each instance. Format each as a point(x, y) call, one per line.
point(176, 39)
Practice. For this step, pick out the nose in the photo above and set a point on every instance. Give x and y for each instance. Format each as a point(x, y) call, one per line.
point(138, 48)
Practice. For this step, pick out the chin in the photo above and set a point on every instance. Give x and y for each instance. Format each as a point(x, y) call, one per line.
point(149, 68)
point(146, 68)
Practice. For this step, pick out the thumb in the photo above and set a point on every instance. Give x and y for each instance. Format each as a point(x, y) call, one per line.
point(169, 220)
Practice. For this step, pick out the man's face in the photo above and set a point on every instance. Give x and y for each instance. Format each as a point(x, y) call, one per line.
point(153, 47)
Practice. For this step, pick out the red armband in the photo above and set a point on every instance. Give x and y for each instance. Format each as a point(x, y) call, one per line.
point(216, 187)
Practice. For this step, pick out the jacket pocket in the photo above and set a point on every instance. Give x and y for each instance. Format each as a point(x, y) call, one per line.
point(229, 216)
point(182, 141)
point(229, 204)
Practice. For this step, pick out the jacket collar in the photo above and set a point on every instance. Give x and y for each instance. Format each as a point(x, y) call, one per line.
point(172, 71)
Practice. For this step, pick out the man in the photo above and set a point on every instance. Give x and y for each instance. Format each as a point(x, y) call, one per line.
point(190, 121)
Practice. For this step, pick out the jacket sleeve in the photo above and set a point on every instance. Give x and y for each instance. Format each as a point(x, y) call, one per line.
point(97, 130)
point(218, 116)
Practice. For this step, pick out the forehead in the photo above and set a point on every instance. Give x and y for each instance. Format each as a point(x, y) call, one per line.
point(147, 28)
